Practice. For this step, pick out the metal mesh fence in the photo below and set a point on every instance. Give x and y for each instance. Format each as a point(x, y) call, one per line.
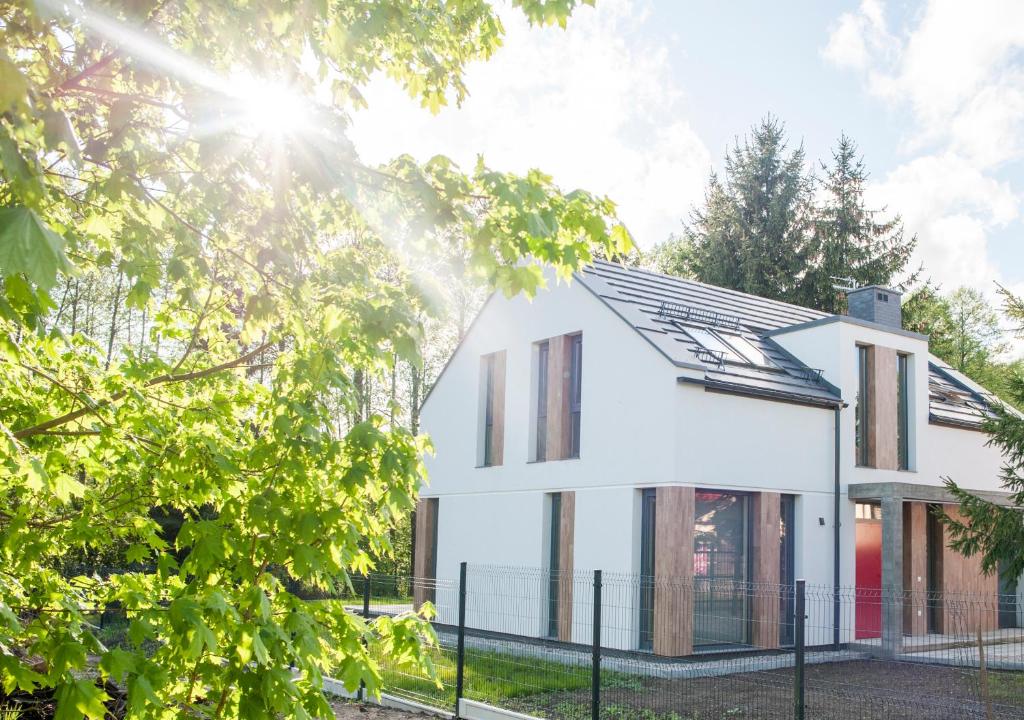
point(708, 650)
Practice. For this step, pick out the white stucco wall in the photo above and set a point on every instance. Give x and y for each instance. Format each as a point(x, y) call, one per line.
point(496, 515)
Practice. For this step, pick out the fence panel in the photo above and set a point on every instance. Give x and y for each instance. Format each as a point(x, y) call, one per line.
point(711, 650)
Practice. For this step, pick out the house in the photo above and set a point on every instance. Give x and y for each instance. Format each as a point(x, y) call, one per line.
point(699, 437)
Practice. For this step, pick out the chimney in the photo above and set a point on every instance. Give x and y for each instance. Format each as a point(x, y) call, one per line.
point(876, 304)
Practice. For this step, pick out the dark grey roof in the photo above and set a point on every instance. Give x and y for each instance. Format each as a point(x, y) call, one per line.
point(644, 299)
point(954, 400)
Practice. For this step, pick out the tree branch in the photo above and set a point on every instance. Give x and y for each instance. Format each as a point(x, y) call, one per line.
point(158, 380)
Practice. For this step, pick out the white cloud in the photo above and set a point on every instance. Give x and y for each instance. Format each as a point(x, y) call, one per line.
point(857, 36)
point(594, 105)
point(958, 70)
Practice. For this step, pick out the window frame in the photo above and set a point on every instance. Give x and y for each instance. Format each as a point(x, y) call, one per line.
point(575, 404)
point(903, 411)
point(554, 561)
point(862, 409)
point(541, 407)
point(488, 425)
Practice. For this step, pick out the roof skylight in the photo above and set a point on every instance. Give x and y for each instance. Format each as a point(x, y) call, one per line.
point(710, 341)
point(727, 347)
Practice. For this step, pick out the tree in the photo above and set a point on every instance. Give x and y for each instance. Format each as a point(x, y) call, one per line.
point(963, 327)
point(674, 256)
point(760, 230)
point(239, 291)
point(753, 232)
point(996, 532)
point(849, 242)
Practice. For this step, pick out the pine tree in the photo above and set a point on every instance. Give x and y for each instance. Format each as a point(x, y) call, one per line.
point(754, 230)
point(849, 241)
point(995, 532)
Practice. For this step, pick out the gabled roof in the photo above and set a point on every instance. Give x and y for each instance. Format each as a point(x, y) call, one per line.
point(662, 308)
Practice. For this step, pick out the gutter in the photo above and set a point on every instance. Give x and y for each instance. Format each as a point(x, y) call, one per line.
point(763, 394)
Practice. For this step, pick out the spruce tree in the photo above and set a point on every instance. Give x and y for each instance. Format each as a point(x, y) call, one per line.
point(849, 239)
point(754, 230)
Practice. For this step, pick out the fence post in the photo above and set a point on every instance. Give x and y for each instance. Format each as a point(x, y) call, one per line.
point(366, 596)
point(595, 662)
point(460, 658)
point(366, 615)
point(800, 616)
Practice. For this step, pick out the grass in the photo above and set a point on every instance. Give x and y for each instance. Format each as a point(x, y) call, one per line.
point(494, 677)
point(1005, 687)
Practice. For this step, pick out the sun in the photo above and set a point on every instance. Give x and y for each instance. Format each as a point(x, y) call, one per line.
point(269, 108)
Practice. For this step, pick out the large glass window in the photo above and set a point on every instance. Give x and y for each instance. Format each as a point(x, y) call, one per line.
point(721, 568)
point(863, 411)
point(648, 506)
point(903, 410)
point(575, 393)
point(542, 401)
point(787, 566)
point(488, 372)
point(554, 562)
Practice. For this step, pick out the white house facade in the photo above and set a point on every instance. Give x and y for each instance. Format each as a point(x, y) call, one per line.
point(692, 436)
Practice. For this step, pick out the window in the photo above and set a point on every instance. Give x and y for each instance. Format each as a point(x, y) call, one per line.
point(718, 347)
point(554, 562)
point(729, 347)
point(863, 410)
point(787, 566)
point(557, 413)
point(542, 401)
point(492, 409)
point(489, 410)
point(868, 511)
point(721, 568)
point(903, 411)
point(648, 506)
point(749, 350)
point(575, 393)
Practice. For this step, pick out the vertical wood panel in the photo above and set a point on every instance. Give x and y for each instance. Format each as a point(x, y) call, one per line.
point(883, 389)
point(766, 509)
point(498, 405)
point(673, 571)
point(915, 568)
point(979, 609)
point(558, 440)
point(567, 534)
point(425, 562)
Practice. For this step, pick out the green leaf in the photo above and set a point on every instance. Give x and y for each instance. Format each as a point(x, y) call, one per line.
point(13, 86)
point(29, 246)
point(81, 698)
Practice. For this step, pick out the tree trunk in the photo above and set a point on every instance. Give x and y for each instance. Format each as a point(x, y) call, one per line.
point(113, 320)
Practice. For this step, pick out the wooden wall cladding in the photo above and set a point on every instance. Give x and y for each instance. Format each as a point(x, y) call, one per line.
point(673, 571)
point(766, 516)
point(425, 561)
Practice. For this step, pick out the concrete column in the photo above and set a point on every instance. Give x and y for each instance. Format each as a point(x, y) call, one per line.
point(892, 575)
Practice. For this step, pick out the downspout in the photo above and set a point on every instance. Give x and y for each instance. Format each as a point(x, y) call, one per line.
point(835, 539)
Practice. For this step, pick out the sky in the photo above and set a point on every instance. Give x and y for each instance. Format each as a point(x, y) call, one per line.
point(639, 100)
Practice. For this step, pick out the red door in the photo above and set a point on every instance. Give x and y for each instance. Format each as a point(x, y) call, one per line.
point(869, 579)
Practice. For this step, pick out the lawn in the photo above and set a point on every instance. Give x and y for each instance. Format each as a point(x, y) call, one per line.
point(502, 678)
